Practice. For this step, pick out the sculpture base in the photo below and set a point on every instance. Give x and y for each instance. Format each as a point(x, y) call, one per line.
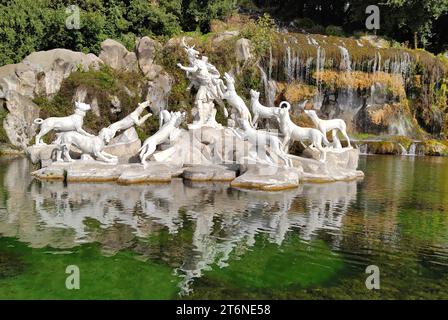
point(211, 155)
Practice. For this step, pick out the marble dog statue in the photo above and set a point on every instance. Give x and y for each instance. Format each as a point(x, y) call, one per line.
point(263, 142)
point(92, 146)
point(134, 118)
point(259, 111)
point(333, 125)
point(163, 135)
point(293, 132)
point(235, 101)
point(64, 124)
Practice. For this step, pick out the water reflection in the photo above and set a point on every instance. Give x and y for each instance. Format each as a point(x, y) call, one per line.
point(221, 222)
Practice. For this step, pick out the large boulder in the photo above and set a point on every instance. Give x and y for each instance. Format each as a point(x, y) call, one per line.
point(384, 119)
point(115, 55)
point(53, 66)
point(268, 178)
point(146, 50)
point(18, 123)
point(243, 50)
point(157, 92)
point(40, 73)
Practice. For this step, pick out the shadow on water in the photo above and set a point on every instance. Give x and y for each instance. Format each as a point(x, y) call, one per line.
point(208, 240)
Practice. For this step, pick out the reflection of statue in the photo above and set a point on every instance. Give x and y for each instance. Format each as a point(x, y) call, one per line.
point(334, 125)
point(129, 121)
point(296, 133)
point(167, 132)
point(87, 145)
point(64, 124)
point(206, 78)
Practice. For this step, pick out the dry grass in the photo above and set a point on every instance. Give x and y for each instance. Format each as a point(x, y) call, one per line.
point(361, 80)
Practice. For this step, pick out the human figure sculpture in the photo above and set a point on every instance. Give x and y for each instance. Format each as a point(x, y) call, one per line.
point(164, 134)
point(259, 111)
point(263, 142)
point(235, 100)
point(64, 124)
point(293, 132)
point(206, 78)
point(333, 125)
point(134, 118)
point(88, 145)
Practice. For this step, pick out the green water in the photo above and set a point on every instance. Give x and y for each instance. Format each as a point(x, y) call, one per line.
point(208, 241)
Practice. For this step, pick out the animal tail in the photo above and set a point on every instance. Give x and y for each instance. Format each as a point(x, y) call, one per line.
point(38, 121)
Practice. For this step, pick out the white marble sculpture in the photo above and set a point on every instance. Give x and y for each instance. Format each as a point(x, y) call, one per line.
point(293, 132)
point(165, 134)
point(262, 143)
point(64, 124)
point(259, 111)
point(134, 118)
point(88, 145)
point(207, 79)
point(333, 125)
point(235, 101)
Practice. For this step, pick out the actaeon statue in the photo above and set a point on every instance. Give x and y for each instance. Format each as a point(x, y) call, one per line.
point(207, 80)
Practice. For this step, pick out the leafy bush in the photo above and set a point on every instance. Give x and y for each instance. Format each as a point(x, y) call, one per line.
point(32, 25)
point(261, 33)
point(334, 31)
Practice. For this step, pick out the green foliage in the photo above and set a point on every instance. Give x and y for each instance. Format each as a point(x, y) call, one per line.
point(334, 31)
point(402, 20)
point(100, 84)
point(3, 136)
point(33, 25)
point(261, 33)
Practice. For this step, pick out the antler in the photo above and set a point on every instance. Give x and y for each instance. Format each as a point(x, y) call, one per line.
point(185, 44)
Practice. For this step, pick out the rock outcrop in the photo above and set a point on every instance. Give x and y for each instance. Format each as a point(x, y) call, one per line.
point(115, 55)
point(41, 75)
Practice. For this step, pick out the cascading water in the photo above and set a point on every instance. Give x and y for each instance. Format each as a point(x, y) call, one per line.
point(412, 149)
point(346, 65)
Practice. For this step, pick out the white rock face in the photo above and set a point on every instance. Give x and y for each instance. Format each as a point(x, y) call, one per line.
point(18, 123)
point(115, 55)
point(53, 66)
point(40, 73)
point(268, 178)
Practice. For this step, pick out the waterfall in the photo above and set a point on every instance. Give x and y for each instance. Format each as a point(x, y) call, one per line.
point(363, 149)
point(289, 66)
point(309, 62)
point(372, 94)
point(403, 150)
point(345, 64)
point(270, 88)
point(412, 149)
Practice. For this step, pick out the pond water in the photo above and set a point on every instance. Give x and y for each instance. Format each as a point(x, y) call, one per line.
point(209, 241)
